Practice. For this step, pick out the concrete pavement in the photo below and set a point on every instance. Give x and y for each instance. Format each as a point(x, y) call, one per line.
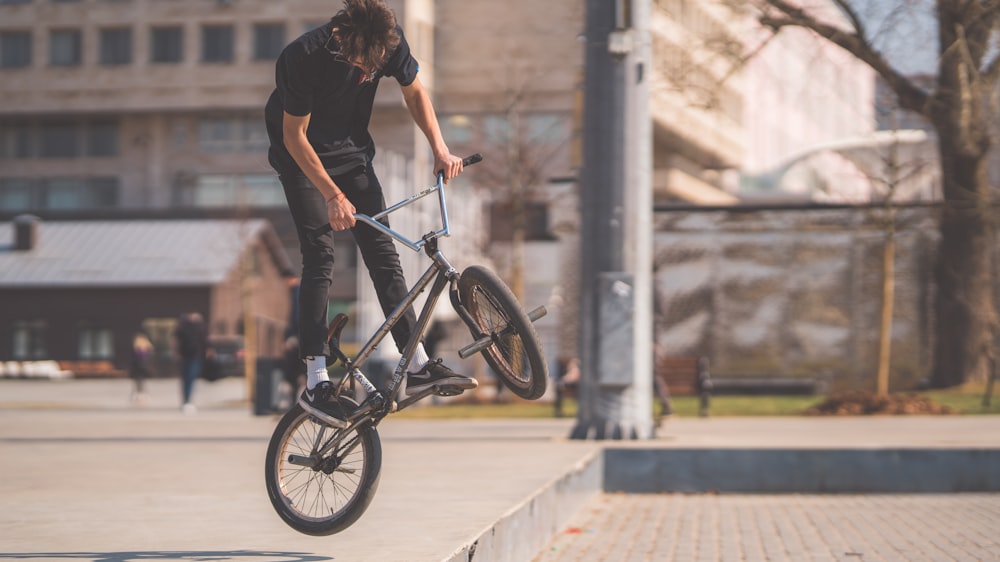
point(85, 475)
point(782, 528)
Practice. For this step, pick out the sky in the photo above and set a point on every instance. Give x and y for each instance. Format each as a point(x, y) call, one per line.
point(905, 31)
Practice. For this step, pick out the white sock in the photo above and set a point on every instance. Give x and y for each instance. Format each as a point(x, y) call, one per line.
point(316, 371)
point(419, 359)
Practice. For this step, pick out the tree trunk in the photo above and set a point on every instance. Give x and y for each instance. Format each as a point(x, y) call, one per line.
point(888, 300)
point(964, 305)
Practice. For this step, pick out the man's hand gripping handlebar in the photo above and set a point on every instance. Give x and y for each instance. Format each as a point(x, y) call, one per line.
point(467, 161)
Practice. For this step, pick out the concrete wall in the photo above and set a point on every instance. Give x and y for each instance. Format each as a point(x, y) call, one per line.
point(794, 293)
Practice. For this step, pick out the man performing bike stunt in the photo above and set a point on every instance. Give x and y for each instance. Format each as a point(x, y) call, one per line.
point(317, 122)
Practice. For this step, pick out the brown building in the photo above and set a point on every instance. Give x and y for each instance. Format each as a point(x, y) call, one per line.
point(77, 291)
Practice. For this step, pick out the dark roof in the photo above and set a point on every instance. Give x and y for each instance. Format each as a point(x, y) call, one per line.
point(132, 252)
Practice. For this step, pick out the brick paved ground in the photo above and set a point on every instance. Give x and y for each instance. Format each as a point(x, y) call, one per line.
point(794, 528)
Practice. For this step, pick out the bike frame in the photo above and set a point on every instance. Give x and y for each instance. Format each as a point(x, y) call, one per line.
point(439, 274)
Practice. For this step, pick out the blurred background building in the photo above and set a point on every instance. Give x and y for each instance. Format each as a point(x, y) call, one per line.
point(153, 110)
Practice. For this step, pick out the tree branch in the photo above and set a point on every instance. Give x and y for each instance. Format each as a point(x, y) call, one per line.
point(910, 96)
point(852, 14)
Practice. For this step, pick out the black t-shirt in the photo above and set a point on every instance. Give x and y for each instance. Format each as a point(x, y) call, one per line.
point(312, 81)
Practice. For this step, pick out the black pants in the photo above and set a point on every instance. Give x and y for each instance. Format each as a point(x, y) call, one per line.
point(378, 251)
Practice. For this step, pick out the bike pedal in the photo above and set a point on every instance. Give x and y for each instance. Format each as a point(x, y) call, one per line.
point(448, 390)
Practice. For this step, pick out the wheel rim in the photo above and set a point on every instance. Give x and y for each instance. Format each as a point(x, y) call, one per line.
point(313, 494)
point(507, 350)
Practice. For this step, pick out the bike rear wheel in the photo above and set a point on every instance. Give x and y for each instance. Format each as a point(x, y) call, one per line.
point(515, 354)
point(317, 491)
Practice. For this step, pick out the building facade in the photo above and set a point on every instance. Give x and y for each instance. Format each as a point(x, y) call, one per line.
point(157, 105)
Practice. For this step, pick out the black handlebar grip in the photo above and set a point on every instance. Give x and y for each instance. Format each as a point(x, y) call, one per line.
point(467, 161)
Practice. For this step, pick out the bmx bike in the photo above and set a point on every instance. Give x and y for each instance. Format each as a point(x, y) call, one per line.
point(321, 475)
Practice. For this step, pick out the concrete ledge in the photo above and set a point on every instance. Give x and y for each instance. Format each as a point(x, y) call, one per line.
point(522, 532)
point(802, 470)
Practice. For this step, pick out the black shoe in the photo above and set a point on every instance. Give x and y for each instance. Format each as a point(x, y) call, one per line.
point(434, 373)
point(321, 403)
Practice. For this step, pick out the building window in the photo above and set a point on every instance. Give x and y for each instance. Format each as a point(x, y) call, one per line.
point(232, 134)
point(166, 44)
point(59, 141)
point(15, 49)
point(116, 46)
point(79, 193)
point(29, 340)
point(65, 47)
point(217, 190)
point(217, 43)
point(496, 128)
point(73, 139)
point(15, 195)
point(16, 141)
point(457, 129)
point(102, 139)
point(161, 334)
point(547, 128)
point(95, 343)
point(22, 194)
point(217, 135)
point(536, 221)
point(268, 40)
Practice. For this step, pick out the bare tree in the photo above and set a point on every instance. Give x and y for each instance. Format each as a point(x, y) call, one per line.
point(520, 174)
point(897, 172)
point(956, 106)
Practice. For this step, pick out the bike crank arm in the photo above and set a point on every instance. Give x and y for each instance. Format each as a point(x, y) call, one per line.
point(487, 340)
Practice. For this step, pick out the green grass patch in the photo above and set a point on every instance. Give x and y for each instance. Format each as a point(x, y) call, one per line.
point(966, 400)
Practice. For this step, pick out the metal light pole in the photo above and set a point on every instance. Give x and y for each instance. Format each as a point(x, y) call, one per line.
point(616, 226)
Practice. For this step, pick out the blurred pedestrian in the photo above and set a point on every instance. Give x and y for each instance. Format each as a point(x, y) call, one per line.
point(142, 355)
point(567, 382)
point(192, 340)
point(295, 367)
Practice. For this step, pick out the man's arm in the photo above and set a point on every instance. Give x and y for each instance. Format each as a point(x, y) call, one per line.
point(418, 101)
point(339, 210)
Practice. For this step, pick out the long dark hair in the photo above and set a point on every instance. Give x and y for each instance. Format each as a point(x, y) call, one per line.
point(365, 31)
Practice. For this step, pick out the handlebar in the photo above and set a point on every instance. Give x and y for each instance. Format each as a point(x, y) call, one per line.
point(467, 161)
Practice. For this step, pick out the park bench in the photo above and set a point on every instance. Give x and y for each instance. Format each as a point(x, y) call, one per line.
point(683, 376)
point(92, 369)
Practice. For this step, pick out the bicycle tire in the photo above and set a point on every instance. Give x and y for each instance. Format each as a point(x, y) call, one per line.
point(308, 499)
point(515, 355)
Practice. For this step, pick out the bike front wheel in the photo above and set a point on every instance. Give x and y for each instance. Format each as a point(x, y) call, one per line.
point(515, 354)
point(321, 479)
